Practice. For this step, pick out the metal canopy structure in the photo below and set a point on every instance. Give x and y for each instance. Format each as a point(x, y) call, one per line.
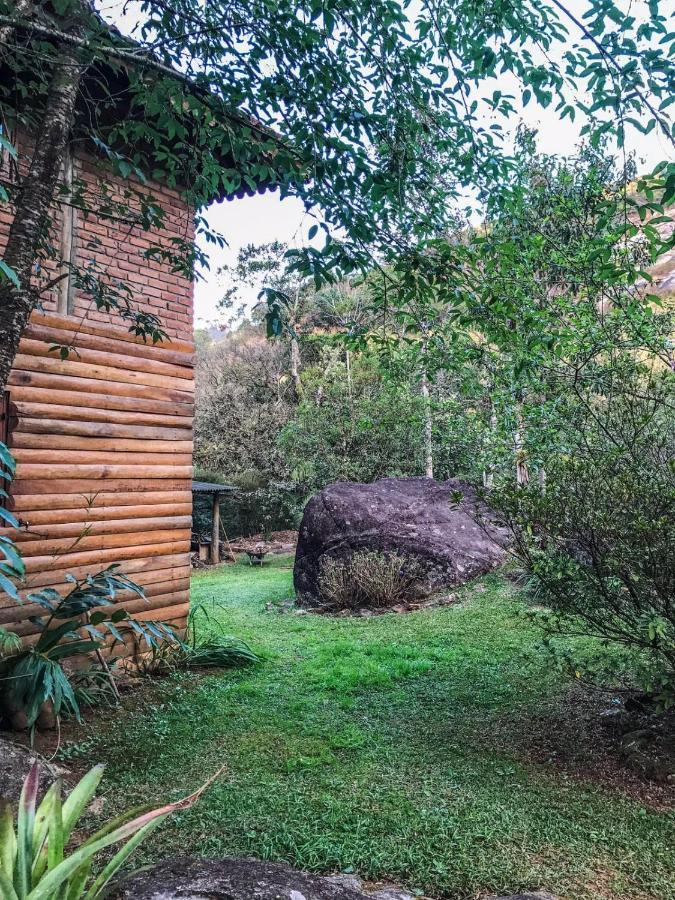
point(210, 487)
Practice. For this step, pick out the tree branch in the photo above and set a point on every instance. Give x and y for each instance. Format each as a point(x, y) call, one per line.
point(609, 59)
point(143, 60)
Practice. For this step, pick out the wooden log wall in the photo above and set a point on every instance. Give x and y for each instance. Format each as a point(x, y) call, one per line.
point(103, 444)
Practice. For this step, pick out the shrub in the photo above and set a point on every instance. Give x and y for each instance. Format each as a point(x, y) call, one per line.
point(212, 651)
point(368, 579)
point(598, 542)
point(258, 505)
point(72, 625)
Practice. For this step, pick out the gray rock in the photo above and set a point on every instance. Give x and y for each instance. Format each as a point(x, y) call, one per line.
point(189, 878)
point(391, 893)
point(418, 518)
point(374, 892)
point(537, 895)
point(346, 880)
point(15, 761)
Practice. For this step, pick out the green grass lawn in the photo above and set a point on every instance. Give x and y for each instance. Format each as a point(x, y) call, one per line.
point(394, 747)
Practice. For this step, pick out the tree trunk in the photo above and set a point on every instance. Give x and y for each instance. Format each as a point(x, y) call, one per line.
point(215, 529)
point(348, 365)
point(295, 367)
point(522, 471)
point(428, 428)
point(34, 200)
point(489, 472)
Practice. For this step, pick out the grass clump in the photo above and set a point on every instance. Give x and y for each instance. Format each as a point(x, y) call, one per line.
point(367, 579)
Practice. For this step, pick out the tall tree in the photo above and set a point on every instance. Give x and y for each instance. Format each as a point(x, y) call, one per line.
point(289, 296)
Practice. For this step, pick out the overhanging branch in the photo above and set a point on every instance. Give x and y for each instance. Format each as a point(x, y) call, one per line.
point(143, 60)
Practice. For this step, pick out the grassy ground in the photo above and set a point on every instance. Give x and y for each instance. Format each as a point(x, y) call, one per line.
point(405, 747)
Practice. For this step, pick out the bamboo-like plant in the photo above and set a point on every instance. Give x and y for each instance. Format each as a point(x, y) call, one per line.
point(34, 860)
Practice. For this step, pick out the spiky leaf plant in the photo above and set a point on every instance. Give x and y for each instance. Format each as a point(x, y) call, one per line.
point(72, 625)
point(35, 860)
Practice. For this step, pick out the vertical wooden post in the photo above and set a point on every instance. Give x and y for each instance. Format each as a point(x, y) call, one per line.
point(66, 287)
point(215, 529)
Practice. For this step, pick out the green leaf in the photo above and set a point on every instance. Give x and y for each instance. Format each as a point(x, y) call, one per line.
point(8, 518)
point(7, 841)
point(56, 840)
point(116, 863)
point(24, 829)
point(8, 146)
point(6, 458)
point(7, 892)
point(9, 274)
point(79, 798)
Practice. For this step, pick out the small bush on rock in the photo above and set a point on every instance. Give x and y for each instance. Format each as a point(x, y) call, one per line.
point(368, 579)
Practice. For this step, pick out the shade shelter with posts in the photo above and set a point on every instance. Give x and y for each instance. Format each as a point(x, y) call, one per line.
point(216, 491)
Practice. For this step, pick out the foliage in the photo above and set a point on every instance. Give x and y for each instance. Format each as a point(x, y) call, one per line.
point(244, 397)
point(276, 506)
point(367, 579)
point(405, 747)
point(598, 542)
point(356, 430)
point(257, 506)
point(216, 650)
point(11, 564)
point(70, 626)
point(367, 422)
point(382, 120)
point(36, 862)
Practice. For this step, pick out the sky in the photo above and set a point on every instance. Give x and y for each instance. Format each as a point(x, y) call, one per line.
point(264, 218)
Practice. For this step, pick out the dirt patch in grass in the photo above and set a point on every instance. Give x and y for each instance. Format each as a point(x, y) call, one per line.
point(579, 733)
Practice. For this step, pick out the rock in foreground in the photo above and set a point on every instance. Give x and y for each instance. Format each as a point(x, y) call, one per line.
point(190, 878)
point(416, 518)
point(537, 895)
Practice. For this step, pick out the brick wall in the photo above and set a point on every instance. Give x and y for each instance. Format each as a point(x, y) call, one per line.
point(115, 248)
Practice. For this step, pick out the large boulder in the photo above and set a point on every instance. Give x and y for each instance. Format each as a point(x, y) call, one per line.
point(443, 526)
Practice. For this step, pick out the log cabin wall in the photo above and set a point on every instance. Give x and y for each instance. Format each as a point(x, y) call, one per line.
point(103, 439)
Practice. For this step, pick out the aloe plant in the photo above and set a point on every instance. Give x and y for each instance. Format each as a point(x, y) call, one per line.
point(35, 860)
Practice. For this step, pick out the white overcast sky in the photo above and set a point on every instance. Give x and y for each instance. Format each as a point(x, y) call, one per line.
point(264, 218)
